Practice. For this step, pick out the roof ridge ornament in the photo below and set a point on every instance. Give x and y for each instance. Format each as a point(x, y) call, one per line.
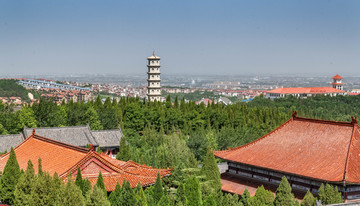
point(353, 120)
point(154, 53)
point(294, 114)
point(33, 132)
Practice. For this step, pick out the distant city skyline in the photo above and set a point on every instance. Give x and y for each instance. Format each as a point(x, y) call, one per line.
point(192, 37)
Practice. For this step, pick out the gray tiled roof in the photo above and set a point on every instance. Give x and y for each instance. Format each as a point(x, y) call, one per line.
point(8, 141)
point(78, 135)
point(107, 138)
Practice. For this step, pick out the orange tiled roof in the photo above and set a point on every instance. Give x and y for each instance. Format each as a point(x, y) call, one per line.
point(318, 149)
point(337, 77)
point(64, 158)
point(305, 90)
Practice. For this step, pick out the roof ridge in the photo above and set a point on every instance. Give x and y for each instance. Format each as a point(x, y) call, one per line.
point(80, 149)
point(253, 142)
point(90, 154)
point(348, 152)
point(79, 126)
point(324, 121)
point(105, 130)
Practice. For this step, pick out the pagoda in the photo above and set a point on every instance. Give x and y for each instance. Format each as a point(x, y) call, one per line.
point(337, 82)
point(154, 87)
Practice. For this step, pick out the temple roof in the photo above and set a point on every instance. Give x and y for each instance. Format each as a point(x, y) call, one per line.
point(107, 138)
point(305, 90)
point(64, 158)
point(317, 149)
point(78, 135)
point(8, 141)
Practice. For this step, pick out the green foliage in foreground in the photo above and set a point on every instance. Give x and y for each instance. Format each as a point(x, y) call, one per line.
point(9, 179)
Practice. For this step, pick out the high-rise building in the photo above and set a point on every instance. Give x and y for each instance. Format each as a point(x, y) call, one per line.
point(154, 87)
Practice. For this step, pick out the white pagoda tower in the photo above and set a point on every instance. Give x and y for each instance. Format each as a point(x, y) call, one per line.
point(154, 87)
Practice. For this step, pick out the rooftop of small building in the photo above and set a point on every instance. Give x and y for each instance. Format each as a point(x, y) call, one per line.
point(318, 149)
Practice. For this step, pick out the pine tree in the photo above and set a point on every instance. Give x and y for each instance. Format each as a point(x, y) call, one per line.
point(210, 200)
point(127, 197)
point(164, 201)
point(96, 197)
point(100, 183)
point(86, 187)
point(115, 195)
point(180, 194)
point(43, 192)
point(40, 171)
point(284, 197)
point(192, 191)
point(245, 197)
point(308, 200)
point(140, 195)
point(158, 189)
point(24, 186)
point(262, 197)
point(124, 153)
point(79, 181)
point(9, 179)
point(322, 195)
point(211, 172)
point(71, 194)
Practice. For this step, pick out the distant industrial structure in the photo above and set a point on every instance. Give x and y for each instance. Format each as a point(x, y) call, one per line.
point(154, 87)
point(48, 84)
point(304, 92)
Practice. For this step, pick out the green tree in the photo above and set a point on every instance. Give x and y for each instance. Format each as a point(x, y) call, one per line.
point(9, 179)
point(211, 172)
point(245, 197)
point(86, 186)
point(158, 189)
point(43, 192)
point(79, 181)
point(115, 195)
point(24, 186)
point(262, 197)
point(96, 197)
point(210, 201)
point(140, 195)
point(25, 117)
point(308, 200)
point(100, 183)
point(127, 197)
point(71, 194)
point(124, 153)
point(329, 195)
point(284, 197)
point(164, 201)
point(192, 191)
point(92, 118)
point(40, 171)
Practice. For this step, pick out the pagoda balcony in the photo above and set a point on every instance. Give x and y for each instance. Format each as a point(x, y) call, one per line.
point(153, 65)
point(154, 87)
point(154, 72)
point(154, 80)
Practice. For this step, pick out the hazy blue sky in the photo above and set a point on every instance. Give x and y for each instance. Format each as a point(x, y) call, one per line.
point(195, 37)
